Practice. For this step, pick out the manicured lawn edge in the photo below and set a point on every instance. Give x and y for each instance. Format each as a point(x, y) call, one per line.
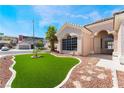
point(9, 83)
point(69, 73)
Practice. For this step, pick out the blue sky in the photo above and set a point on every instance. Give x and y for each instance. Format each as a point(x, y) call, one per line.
point(17, 20)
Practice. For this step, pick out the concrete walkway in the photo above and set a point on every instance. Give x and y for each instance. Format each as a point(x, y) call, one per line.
point(110, 64)
point(114, 66)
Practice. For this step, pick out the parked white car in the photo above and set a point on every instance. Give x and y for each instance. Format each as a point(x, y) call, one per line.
point(4, 49)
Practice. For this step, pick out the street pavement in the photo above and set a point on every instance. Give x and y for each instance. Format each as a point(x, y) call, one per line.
point(17, 51)
point(14, 52)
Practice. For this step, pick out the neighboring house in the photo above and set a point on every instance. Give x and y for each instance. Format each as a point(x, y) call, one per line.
point(27, 42)
point(8, 41)
point(104, 36)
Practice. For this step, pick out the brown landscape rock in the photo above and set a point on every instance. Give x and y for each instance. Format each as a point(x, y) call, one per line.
point(88, 75)
point(5, 73)
point(120, 76)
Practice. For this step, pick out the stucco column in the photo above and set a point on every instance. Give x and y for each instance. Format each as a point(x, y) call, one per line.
point(79, 45)
point(92, 44)
point(121, 43)
point(115, 46)
point(97, 44)
point(59, 46)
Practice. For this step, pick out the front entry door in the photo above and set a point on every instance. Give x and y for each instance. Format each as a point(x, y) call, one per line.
point(107, 45)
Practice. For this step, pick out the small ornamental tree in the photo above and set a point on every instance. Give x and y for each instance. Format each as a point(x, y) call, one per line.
point(35, 53)
point(51, 37)
point(37, 48)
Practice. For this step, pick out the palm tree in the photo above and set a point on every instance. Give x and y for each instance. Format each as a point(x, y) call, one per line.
point(51, 37)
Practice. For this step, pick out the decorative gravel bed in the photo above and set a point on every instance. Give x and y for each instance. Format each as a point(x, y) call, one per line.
point(88, 75)
point(120, 76)
point(5, 73)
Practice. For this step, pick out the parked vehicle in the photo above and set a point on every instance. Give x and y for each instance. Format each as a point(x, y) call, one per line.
point(4, 49)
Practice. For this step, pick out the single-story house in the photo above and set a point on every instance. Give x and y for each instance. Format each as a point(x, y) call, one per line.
point(104, 36)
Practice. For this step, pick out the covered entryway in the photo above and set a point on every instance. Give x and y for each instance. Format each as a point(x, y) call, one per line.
point(103, 42)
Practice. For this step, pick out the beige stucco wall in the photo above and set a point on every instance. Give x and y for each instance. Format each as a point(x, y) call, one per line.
point(115, 40)
point(105, 25)
point(118, 20)
point(121, 43)
point(96, 44)
point(87, 42)
point(73, 31)
point(84, 40)
point(118, 54)
point(96, 29)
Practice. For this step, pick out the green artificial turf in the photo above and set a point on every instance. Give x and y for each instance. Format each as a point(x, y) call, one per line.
point(45, 72)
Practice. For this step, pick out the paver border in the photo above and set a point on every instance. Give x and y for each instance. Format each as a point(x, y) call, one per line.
point(8, 84)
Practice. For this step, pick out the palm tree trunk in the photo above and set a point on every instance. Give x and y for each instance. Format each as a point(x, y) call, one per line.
point(52, 45)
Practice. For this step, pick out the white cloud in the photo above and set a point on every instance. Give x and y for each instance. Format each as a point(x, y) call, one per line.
point(77, 16)
point(47, 21)
point(48, 13)
point(94, 16)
